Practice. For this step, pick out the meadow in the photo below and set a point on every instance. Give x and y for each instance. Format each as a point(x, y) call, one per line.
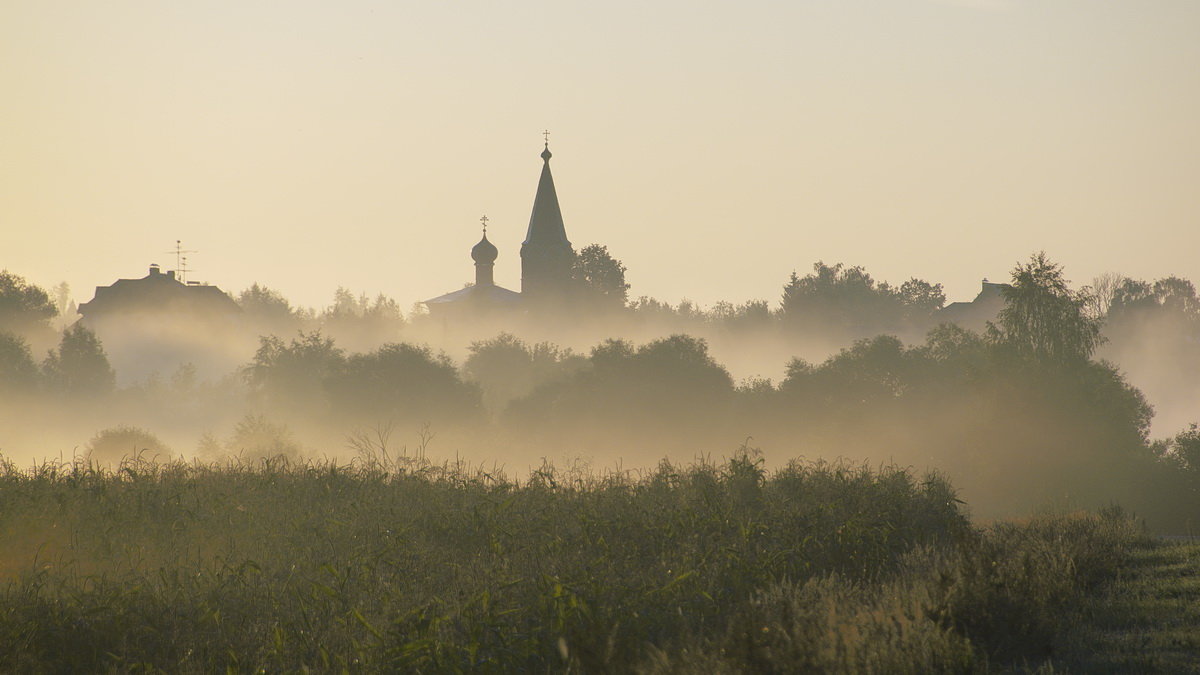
point(401, 564)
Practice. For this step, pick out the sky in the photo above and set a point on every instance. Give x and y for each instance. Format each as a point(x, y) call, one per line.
point(712, 146)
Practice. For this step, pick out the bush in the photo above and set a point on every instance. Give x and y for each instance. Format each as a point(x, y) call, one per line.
point(126, 442)
point(255, 438)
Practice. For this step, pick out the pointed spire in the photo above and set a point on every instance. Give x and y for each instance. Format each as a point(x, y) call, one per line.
point(546, 223)
point(546, 254)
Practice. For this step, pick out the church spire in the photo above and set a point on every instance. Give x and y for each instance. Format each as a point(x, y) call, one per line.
point(546, 254)
point(546, 223)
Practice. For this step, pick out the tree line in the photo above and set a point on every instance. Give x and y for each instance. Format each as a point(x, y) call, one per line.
point(1019, 411)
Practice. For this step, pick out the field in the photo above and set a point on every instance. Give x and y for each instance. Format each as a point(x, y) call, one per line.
point(1148, 619)
point(404, 565)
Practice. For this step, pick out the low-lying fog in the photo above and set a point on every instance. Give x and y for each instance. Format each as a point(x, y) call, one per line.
point(624, 388)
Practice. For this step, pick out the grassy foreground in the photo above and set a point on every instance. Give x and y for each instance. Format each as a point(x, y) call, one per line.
point(1148, 619)
point(405, 566)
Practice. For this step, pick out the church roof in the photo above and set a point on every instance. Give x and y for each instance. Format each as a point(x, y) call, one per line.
point(487, 294)
point(546, 223)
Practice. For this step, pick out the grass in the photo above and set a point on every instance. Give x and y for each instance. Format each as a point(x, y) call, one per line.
point(1148, 619)
point(403, 565)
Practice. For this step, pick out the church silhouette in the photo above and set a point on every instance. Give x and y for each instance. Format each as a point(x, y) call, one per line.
point(546, 259)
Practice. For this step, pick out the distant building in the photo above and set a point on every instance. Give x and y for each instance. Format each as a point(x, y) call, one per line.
point(975, 314)
point(158, 295)
point(546, 259)
point(546, 254)
point(158, 323)
point(482, 298)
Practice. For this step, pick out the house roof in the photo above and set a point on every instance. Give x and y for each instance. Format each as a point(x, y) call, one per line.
point(157, 292)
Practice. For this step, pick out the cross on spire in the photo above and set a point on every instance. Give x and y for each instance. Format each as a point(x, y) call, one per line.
point(546, 136)
point(484, 220)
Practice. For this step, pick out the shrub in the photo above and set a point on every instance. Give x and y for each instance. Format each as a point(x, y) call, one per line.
point(126, 442)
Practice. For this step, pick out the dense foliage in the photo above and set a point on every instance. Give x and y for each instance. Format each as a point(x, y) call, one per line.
point(24, 307)
point(1020, 414)
point(398, 565)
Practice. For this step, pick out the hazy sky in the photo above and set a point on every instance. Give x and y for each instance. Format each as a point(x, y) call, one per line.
point(712, 146)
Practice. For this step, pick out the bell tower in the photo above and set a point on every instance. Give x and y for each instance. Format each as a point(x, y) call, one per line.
point(546, 254)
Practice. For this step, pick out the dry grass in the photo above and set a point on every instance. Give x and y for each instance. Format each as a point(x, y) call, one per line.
point(404, 565)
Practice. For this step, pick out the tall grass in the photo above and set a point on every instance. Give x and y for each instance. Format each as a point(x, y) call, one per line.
point(407, 565)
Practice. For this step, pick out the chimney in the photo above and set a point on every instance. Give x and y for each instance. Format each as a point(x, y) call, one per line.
point(154, 270)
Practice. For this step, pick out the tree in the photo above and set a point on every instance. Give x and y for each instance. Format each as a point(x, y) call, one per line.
point(1101, 293)
point(23, 306)
point(673, 377)
point(62, 297)
point(839, 299)
point(79, 366)
point(1184, 448)
point(599, 276)
point(402, 381)
point(265, 303)
point(1136, 302)
point(64, 305)
point(922, 296)
point(284, 373)
point(670, 390)
point(1043, 318)
point(748, 316)
point(18, 372)
point(681, 363)
point(120, 442)
point(1177, 295)
point(361, 322)
point(257, 438)
point(830, 294)
point(506, 368)
point(868, 372)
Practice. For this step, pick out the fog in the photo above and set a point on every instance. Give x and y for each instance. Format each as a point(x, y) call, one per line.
point(845, 369)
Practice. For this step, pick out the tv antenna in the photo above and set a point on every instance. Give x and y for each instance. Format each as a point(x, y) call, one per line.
point(181, 268)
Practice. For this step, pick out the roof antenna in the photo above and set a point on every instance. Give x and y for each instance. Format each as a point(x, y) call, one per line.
point(183, 270)
point(181, 260)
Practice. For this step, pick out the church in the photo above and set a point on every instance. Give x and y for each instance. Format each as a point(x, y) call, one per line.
point(546, 259)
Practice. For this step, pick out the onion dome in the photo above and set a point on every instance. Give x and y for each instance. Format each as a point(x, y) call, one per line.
point(484, 252)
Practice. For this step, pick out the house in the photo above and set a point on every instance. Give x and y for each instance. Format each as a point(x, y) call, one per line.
point(976, 314)
point(158, 295)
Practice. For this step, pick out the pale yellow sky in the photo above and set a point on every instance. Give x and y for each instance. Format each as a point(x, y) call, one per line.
point(713, 146)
